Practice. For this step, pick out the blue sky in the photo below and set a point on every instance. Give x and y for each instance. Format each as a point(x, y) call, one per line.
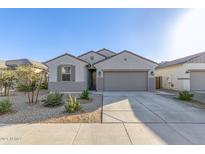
point(41, 34)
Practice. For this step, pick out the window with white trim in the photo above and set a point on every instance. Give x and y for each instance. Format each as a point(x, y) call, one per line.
point(66, 73)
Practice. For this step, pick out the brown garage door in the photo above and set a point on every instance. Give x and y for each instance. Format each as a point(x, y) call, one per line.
point(125, 80)
point(197, 80)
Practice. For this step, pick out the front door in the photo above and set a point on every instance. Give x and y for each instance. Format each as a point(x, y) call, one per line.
point(92, 80)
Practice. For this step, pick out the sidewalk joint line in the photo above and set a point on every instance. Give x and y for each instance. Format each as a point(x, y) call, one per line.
point(113, 117)
point(76, 134)
point(127, 133)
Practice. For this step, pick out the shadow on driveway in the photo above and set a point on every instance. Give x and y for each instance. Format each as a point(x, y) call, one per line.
point(151, 117)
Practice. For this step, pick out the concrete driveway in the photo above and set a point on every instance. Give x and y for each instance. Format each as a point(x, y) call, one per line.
point(128, 118)
point(147, 113)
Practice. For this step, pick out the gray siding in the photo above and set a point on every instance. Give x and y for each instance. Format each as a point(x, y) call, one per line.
point(67, 86)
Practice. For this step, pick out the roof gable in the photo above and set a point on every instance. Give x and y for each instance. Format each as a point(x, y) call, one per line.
point(125, 51)
point(91, 52)
point(66, 54)
point(106, 52)
point(92, 57)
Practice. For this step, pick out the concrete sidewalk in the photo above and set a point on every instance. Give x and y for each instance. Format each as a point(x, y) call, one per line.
point(107, 133)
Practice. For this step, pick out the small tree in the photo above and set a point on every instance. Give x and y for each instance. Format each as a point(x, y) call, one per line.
point(29, 81)
point(7, 78)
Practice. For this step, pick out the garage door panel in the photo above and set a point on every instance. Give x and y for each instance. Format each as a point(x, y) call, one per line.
point(197, 80)
point(125, 81)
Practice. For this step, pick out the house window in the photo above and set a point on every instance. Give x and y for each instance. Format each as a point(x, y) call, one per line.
point(66, 73)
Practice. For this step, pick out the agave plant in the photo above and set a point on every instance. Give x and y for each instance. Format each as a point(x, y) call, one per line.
point(72, 104)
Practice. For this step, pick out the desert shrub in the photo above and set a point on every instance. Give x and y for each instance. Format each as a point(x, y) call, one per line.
point(85, 94)
point(29, 81)
point(7, 78)
point(72, 104)
point(185, 95)
point(5, 106)
point(44, 85)
point(53, 99)
point(22, 88)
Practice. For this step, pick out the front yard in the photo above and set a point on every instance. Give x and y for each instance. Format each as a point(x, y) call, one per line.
point(197, 101)
point(23, 112)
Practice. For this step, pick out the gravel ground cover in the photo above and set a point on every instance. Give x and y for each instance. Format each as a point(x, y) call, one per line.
point(198, 101)
point(22, 112)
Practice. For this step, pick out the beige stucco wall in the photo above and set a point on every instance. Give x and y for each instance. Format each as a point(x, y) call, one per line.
point(97, 57)
point(178, 75)
point(80, 68)
point(170, 76)
point(125, 61)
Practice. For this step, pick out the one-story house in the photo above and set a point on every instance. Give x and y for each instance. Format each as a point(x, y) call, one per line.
point(103, 70)
point(187, 73)
point(12, 64)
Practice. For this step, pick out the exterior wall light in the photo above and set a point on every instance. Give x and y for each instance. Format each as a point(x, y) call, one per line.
point(99, 73)
point(152, 73)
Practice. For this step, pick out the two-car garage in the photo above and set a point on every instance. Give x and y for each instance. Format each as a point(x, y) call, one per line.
point(125, 71)
point(125, 80)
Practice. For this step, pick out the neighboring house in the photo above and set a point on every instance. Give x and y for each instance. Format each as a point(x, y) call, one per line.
point(21, 62)
point(186, 73)
point(103, 70)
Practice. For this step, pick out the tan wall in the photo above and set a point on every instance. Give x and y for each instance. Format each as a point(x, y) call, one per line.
point(178, 75)
point(170, 76)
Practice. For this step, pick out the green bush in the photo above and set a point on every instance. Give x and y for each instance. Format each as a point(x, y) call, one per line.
point(185, 95)
point(44, 85)
point(72, 104)
point(5, 106)
point(22, 88)
point(53, 99)
point(85, 94)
